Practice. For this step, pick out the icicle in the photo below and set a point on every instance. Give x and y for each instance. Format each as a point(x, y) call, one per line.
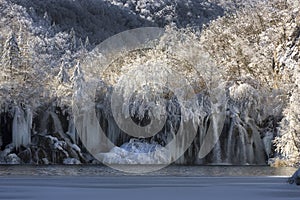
point(229, 143)
point(57, 124)
point(243, 154)
point(21, 129)
point(72, 130)
point(259, 149)
point(217, 148)
point(267, 140)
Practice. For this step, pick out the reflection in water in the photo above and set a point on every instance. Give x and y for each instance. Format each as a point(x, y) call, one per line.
point(173, 170)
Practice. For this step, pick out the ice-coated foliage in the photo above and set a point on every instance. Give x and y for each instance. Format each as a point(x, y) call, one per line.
point(78, 80)
point(11, 58)
point(63, 76)
point(288, 141)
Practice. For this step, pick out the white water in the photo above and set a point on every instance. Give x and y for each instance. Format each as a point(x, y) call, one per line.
point(21, 130)
point(137, 152)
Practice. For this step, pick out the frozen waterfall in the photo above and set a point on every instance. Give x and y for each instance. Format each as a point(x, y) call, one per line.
point(21, 129)
point(218, 124)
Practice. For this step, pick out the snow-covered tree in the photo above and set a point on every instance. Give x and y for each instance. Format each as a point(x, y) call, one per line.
point(11, 57)
point(288, 67)
point(78, 80)
point(18, 91)
point(288, 141)
point(87, 43)
point(63, 76)
point(244, 42)
point(73, 40)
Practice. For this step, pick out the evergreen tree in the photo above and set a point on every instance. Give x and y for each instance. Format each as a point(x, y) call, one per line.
point(11, 57)
point(87, 43)
point(73, 39)
point(67, 59)
point(78, 80)
point(47, 20)
point(63, 76)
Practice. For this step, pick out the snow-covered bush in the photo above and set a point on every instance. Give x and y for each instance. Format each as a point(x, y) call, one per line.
point(288, 141)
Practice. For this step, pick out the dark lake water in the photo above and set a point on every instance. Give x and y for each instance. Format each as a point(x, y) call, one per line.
point(173, 170)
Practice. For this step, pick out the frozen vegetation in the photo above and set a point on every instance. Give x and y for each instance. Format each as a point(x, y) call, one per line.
point(253, 45)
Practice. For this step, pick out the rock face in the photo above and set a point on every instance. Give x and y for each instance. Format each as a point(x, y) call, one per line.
point(295, 178)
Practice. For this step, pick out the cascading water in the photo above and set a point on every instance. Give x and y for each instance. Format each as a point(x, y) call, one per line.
point(21, 130)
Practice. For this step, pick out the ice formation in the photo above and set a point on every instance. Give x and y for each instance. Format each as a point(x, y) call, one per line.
point(148, 87)
point(137, 152)
point(22, 123)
